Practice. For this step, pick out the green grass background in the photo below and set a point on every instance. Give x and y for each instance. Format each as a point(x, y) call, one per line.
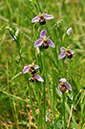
point(15, 90)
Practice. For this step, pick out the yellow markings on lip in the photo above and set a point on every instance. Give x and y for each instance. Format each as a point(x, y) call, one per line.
point(31, 65)
point(67, 50)
point(41, 15)
point(62, 83)
point(45, 39)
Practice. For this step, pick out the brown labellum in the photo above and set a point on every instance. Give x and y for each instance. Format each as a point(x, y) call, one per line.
point(32, 70)
point(63, 88)
point(69, 55)
point(33, 79)
point(45, 45)
point(42, 21)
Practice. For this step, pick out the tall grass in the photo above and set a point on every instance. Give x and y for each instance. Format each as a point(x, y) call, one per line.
point(28, 105)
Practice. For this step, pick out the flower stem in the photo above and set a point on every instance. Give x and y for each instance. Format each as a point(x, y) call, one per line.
point(64, 110)
point(47, 83)
point(39, 6)
point(31, 103)
point(68, 71)
point(44, 88)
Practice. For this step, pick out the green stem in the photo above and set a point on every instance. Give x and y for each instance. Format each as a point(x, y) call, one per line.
point(64, 110)
point(68, 70)
point(34, 115)
point(53, 107)
point(43, 60)
point(39, 6)
point(47, 83)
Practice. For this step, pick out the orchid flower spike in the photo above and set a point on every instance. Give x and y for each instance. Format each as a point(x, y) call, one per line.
point(63, 86)
point(42, 18)
point(36, 77)
point(30, 68)
point(44, 41)
point(66, 52)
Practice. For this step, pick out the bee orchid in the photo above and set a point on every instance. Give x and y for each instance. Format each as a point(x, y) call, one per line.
point(30, 68)
point(42, 18)
point(66, 52)
point(44, 41)
point(63, 86)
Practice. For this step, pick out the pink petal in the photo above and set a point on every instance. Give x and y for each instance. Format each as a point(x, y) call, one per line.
point(68, 86)
point(26, 69)
point(39, 78)
point(62, 80)
point(72, 52)
point(38, 43)
point(62, 55)
point(50, 43)
point(62, 48)
point(30, 78)
point(43, 34)
point(48, 17)
point(69, 31)
point(59, 89)
point(36, 67)
point(36, 19)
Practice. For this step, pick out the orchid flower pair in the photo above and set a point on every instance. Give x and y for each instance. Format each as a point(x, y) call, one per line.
point(43, 41)
point(32, 68)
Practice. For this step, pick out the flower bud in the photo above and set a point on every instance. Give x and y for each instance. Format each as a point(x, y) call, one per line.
point(69, 31)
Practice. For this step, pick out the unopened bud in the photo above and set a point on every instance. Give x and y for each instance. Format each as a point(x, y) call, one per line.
point(69, 31)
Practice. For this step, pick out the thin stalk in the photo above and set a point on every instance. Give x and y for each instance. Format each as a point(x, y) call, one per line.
point(47, 84)
point(68, 70)
point(82, 110)
point(64, 110)
point(63, 7)
point(46, 77)
point(40, 108)
point(53, 106)
point(34, 115)
point(39, 6)
point(43, 60)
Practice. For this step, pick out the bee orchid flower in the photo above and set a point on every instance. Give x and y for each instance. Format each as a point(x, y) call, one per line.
point(42, 18)
point(36, 77)
point(44, 41)
point(30, 68)
point(66, 52)
point(63, 86)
